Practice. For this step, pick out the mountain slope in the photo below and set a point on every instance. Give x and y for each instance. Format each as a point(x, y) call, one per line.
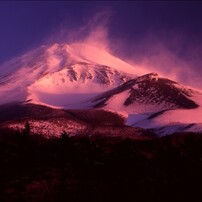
point(147, 93)
point(156, 103)
point(54, 122)
point(51, 71)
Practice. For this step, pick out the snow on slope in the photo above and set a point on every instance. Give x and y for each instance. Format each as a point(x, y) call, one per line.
point(175, 120)
point(49, 128)
point(102, 57)
point(183, 115)
point(152, 102)
point(51, 71)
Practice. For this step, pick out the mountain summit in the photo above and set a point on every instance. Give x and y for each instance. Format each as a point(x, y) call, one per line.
point(51, 71)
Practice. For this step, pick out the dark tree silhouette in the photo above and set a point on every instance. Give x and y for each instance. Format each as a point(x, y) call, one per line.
point(27, 128)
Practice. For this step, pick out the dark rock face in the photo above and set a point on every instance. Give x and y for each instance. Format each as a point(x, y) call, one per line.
point(157, 92)
point(151, 90)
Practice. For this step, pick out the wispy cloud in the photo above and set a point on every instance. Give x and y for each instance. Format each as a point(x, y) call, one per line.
point(93, 31)
point(169, 55)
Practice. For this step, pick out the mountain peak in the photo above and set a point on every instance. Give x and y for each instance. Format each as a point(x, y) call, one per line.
point(60, 69)
point(94, 55)
point(148, 77)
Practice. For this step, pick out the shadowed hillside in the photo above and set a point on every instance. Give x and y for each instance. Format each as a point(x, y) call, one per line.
point(100, 168)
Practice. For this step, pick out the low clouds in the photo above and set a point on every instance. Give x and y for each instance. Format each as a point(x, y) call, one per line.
point(172, 57)
point(93, 30)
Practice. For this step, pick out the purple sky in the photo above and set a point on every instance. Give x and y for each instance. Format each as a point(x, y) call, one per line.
point(136, 30)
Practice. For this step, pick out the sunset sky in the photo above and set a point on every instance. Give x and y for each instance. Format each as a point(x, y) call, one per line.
point(162, 35)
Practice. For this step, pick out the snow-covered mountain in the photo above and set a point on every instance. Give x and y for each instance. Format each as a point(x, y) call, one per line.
point(50, 74)
point(80, 76)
